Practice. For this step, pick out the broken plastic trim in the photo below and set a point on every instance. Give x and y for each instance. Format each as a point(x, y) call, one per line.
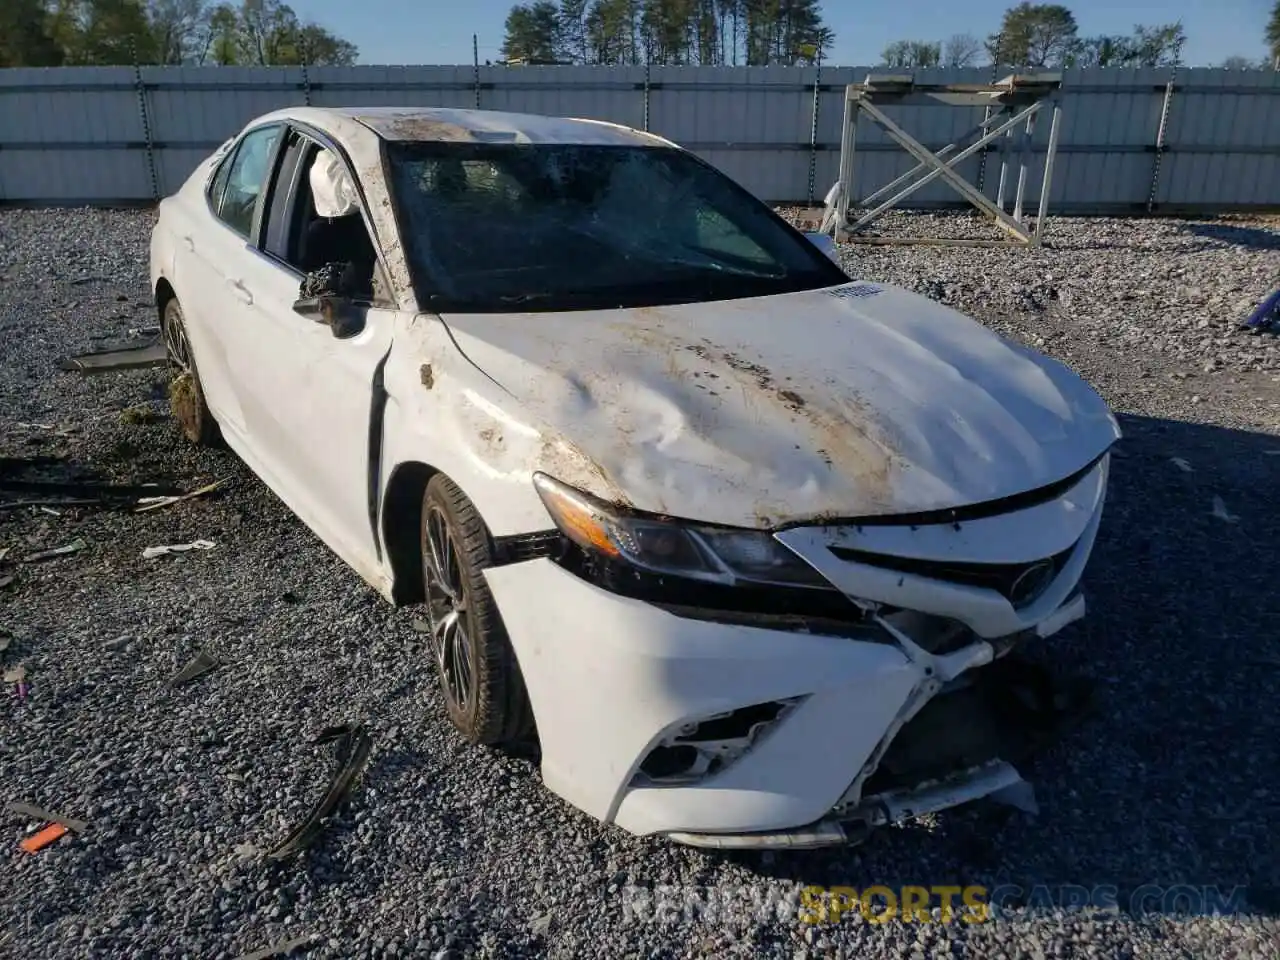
point(520, 547)
point(201, 664)
point(354, 748)
point(972, 511)
point(701, 748)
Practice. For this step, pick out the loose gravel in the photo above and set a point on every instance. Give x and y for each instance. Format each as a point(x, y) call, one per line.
point(444, 850)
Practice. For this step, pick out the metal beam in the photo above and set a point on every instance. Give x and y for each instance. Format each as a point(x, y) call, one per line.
point(946, 171)
point(1015, 100)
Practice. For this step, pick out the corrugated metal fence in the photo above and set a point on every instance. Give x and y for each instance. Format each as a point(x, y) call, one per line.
point(1186, 140)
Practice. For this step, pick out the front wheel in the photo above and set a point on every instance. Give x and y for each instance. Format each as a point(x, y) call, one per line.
point(484, 692)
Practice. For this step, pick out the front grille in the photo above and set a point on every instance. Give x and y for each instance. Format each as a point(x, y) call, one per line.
point(1019, 583)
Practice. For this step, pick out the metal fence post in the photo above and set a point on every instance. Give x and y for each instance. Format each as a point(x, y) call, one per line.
point(475, 67)
point(813, 130)
point(145, 113)
point(646, 96)
point(986, 118)
point(1160, 134)
point(306, 79)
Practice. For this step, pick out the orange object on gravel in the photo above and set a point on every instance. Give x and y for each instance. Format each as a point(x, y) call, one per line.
point(38, 841)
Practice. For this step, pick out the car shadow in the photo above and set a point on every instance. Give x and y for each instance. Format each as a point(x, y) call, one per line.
point(1259, 238)
point(1174, 781)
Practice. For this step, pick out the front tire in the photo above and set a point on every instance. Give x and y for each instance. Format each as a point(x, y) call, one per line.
point(484, 692)
point(186, 393)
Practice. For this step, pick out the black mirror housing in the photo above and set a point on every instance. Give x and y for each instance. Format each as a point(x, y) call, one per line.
point(339, 314)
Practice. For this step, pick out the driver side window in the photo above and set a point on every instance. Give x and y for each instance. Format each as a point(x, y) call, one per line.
point(242, 178)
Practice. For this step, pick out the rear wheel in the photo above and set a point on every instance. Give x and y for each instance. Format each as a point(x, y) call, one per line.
point(483, 690)
point(186, 394)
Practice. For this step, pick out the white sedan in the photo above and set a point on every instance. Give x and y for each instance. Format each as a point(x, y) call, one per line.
point(743, 544)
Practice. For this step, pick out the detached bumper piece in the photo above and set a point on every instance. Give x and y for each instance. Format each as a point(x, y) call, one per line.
point(958, 748)
point(856, 825)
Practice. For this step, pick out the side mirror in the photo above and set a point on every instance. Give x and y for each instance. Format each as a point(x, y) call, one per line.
point(825, 243)
point(339, 314)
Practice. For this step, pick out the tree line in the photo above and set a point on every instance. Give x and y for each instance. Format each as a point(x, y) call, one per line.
point(1047, 35)
point(762, 32)
point(708, 32)
point(53, 33)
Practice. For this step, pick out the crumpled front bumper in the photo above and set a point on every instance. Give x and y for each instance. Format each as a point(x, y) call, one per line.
point(612, 680)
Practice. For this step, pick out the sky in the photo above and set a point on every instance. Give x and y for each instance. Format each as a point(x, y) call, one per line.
point(440, 31)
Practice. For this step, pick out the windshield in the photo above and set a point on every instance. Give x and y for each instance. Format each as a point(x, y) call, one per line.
point(521, 227)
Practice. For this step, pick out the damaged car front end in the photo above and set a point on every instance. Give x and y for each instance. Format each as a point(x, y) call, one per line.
point(793, 526)
point(801, 687)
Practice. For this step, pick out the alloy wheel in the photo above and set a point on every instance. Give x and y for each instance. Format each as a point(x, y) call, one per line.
point(447, 609)
point(175, 339)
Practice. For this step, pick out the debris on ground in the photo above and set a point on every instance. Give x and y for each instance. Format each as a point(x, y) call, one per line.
point(1181, 464)
point(158, 503)
point(139, 415)
point(88, 488)
point(37, 813)
point(18, 677)
point(201, 664)
point(73, 547)
point(38, 841)
point(153, 552)
point(1220, 511)
point(284, 948)
point(48, 505)
point(354, 747)
point(1265, 319)
point(131, 358)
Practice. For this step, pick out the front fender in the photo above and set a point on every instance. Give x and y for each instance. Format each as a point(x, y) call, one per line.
point(443, 412)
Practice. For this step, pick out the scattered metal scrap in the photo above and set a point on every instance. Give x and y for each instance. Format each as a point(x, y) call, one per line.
point(354, 747)
point(151, 553)
point(1265, 319)
point(46, 505)
point(133, 358)
point(158, 503)
point(88, 488)
point(201, 664)
point(37, 813)
point(73, 547)
point(1220, 511)
point(281, 949)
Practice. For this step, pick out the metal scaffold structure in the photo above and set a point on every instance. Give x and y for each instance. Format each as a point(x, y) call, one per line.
point(1015, 101)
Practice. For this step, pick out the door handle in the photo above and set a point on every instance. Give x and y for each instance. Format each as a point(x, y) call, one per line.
point(241, 291)
point(191, 244)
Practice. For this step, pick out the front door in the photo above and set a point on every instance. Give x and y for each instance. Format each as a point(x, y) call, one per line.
point(307, 395)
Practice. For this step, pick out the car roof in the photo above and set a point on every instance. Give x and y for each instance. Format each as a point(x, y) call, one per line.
point(442, 124)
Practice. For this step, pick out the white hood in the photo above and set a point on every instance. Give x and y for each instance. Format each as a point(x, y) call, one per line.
point(855, 401)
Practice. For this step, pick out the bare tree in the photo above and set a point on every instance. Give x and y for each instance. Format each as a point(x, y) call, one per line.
point(1242, 63)
point(961, 50)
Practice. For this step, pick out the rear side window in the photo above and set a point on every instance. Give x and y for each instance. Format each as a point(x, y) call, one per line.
point(241, 181)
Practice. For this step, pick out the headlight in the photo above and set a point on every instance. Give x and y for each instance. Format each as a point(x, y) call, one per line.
point(720, 555)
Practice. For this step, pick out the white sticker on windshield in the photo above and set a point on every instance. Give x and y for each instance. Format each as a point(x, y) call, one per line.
point(856, 290)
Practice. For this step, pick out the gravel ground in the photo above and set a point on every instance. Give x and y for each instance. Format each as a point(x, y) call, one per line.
point(449, 851)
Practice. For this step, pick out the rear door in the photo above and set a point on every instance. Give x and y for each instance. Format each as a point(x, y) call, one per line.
point(212, 256)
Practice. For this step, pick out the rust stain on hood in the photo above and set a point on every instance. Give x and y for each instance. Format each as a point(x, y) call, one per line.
point(763, 411)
